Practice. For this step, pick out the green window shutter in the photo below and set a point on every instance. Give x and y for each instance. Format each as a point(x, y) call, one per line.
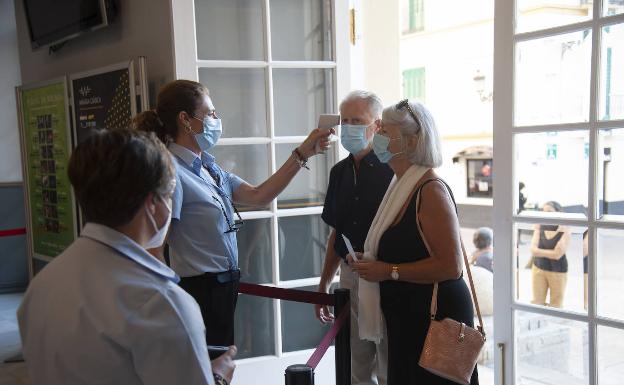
point(416, 15)
point(414, 83)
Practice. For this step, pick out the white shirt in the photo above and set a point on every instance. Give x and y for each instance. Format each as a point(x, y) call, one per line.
point(107, 312)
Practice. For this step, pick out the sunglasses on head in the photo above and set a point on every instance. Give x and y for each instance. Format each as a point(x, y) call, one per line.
point(405, 104)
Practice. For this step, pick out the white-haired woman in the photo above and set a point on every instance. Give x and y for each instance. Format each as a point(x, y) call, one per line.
point(414, 241)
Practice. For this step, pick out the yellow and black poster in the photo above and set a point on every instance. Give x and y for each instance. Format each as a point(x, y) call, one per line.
point(103, 99)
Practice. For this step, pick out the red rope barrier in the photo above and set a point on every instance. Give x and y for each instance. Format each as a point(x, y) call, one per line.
point(287, 294)
point(12, 232)
point(318, 354)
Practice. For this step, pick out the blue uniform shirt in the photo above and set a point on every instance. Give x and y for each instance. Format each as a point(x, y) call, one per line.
point(107, 312)
point(197, 240)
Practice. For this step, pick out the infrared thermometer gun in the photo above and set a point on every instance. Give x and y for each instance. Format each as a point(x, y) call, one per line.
point(328, 121)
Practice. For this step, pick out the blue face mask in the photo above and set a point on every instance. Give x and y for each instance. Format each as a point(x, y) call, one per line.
point(211, 134)
point(380, 146)
point(353, 137)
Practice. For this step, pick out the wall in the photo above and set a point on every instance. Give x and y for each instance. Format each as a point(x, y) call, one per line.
point(13, 265)
point(10, 162)
point(142, 28)
point(380, 39)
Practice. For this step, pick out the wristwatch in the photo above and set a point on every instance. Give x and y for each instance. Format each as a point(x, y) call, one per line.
point(219, 380)
point(395, 273)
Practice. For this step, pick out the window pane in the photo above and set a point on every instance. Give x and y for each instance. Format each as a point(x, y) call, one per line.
point(308, 188)
point(229, 29)
point(254, 327)
point(301, 95)
point(480, 178)
point(541, 277)
point(552, 79)
point(248, 161)
point(610, 193)
point(301, 29)
point(302, 241)
point(612, 7)
point(611, 76)
point(239, 96)
point(545, 162)
point(541, 14)
point(300, 328)
point(550, 350)
point(610, 359)
point(610, 267)
point(254, 251)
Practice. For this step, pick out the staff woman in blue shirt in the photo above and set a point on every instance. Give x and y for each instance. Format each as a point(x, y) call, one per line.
point(202, 238)
point(105, 311)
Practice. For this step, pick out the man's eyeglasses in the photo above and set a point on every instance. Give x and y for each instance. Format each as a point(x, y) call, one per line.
point(405, 104)
point(238, 223)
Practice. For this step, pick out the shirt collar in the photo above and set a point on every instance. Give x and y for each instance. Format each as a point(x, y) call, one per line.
point(128, 248)
point(188, 156)
point(207, 158)
point(370, 159)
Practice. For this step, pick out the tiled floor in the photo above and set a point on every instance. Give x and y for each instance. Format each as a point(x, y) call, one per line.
point(10, 374)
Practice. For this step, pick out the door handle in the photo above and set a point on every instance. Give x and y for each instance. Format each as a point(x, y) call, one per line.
point(501, 363)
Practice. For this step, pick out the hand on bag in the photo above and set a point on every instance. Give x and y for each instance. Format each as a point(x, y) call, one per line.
point(373, 271)
point(225, 365)
point(317, 142)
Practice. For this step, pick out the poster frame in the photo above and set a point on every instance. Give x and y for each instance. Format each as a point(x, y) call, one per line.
point(19, 93)
point(129, 65)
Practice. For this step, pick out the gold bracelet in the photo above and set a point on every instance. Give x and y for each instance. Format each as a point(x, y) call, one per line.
point(219, 380)
point(300, 159)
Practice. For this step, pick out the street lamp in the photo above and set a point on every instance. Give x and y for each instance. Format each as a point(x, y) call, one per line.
point(479, 80)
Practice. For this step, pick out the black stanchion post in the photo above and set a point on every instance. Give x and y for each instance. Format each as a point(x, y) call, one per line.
point(343, 339)
point(299, 375)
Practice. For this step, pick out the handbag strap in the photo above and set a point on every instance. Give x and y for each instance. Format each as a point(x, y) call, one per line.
point(434, 296)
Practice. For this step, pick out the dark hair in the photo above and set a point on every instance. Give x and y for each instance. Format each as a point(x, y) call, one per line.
point(173, 98)
point(112, 173)
point(555, 205)
point(483, 237)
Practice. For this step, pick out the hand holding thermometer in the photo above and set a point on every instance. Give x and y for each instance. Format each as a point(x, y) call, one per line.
point(350, 247)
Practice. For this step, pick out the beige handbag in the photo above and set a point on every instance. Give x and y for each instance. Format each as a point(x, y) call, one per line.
point(452, 348)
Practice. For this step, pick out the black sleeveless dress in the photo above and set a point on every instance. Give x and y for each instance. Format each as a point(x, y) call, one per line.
point(406, 305)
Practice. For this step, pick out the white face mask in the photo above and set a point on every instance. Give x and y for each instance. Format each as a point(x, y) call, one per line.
point(158, 239)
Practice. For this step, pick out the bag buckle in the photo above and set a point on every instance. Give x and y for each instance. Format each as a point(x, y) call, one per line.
point(462, 330)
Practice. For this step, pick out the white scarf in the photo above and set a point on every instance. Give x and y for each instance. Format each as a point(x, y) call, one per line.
point(369, 309)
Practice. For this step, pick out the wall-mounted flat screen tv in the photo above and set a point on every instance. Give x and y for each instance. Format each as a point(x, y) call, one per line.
point(52, 22)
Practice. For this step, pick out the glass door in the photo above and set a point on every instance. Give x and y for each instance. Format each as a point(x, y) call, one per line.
point(271, 67)
point(559, 201)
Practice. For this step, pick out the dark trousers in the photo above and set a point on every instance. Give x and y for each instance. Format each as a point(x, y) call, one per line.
point(217, 302)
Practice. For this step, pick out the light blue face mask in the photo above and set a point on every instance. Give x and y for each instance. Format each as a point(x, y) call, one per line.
point(380, 146)
point(211, 134)
point(353, 137)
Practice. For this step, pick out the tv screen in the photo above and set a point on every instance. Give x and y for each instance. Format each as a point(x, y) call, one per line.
point(51, 22)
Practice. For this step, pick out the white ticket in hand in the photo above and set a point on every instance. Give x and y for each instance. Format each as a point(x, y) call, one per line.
point(350, 247)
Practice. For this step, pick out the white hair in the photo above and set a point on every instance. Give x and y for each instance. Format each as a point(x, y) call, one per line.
point(428, 151)
point(372, 100)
